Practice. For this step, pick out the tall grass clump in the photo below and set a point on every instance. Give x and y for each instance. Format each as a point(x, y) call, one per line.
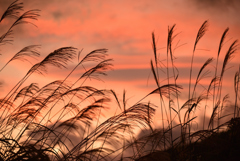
point(217, 137)
point(63, 119)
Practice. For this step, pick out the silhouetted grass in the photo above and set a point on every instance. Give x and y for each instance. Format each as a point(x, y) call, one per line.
point(36, 123)
point(215, 142)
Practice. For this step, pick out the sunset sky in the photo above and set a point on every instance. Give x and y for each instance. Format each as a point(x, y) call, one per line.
point(124, 27)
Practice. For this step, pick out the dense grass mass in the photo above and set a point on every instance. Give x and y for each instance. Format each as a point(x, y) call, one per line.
point(63, 120)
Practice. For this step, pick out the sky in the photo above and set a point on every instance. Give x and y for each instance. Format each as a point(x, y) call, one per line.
point(125, 28)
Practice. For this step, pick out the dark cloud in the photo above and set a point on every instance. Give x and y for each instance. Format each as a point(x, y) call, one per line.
point(218, 5)
point(57, 15)
point(129, 74)
point(4, 5)
point(144, 73)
